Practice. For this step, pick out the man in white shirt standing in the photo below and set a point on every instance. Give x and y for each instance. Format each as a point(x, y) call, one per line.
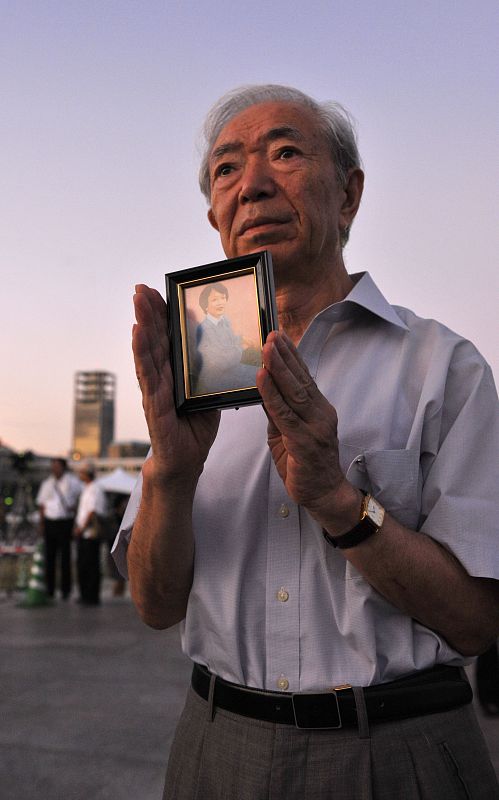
point(332, 557)
point(57, 500)
point(91, 507)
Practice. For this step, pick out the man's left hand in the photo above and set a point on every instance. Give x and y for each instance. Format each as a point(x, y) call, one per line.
point(303, 438)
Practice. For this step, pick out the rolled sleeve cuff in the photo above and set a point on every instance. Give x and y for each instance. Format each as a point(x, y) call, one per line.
point(119, 550)
point(120, 546)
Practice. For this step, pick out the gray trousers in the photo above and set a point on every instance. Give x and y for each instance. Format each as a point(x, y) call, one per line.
point(217, 755)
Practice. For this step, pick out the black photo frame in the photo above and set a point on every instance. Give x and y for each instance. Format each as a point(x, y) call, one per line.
point(204, 345)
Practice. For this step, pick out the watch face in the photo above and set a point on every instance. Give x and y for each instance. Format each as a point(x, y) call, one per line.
point(375, 511)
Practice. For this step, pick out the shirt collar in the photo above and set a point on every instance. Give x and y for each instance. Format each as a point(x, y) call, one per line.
point(364, 295)
point(215, 320)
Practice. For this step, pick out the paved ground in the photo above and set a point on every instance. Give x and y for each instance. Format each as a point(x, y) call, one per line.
point(89, 698)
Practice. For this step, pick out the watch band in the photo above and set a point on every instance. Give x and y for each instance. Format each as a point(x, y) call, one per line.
point(367, 526)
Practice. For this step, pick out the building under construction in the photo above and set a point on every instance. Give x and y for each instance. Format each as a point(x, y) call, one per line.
point(93, 414)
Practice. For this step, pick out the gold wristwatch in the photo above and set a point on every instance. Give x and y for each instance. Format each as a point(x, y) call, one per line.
point(372, 515)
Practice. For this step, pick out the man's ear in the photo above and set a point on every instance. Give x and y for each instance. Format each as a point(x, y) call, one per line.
point(353, 193)
point(212, 220)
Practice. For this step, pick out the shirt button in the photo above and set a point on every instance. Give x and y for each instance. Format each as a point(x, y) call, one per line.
point(282, 683)
point(282, 595)
point(284, 511)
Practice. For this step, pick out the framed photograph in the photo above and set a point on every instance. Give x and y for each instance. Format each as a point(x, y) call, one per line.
point(219, 316)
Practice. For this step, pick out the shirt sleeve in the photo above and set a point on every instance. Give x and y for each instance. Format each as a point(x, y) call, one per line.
point(120, 546)
point(43, 493)
point(100, 502)
point(459, 495)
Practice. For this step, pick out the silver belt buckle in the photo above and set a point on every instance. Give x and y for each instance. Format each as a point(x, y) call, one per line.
point(316, 711)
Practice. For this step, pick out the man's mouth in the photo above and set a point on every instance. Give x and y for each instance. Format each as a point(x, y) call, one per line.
point(261, 222)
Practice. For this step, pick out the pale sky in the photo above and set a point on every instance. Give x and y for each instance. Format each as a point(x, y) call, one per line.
point(101, 107)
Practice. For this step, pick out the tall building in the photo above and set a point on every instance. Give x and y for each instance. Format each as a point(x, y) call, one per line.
point(93, 414)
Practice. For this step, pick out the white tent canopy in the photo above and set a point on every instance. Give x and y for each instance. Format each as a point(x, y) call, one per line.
point(118, 481)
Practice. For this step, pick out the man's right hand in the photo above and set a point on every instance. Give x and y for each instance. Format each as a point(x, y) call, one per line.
point(160, 554)
point(180, 444)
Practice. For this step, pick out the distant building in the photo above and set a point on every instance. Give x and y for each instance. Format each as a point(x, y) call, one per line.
point(103, 466)
point(128, 449)
point(93, 414)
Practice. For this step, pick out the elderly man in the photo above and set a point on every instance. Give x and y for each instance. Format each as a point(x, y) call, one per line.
point(332, 556)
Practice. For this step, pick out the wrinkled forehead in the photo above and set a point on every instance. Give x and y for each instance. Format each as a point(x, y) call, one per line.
point(263, 122)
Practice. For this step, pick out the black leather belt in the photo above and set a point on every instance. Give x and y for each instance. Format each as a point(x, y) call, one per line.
point(427, 692)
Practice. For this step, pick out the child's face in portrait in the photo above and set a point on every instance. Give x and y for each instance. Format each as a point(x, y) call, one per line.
point(216, 304)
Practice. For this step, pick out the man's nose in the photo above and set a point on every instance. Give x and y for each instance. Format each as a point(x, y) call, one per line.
point(257, 181)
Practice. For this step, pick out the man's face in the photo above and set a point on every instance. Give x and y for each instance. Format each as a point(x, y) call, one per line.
point(274, 186)
point(216, 304)
point(57, 469)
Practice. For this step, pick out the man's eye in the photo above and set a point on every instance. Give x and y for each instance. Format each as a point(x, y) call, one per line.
point(223, 169)
point(287, 152)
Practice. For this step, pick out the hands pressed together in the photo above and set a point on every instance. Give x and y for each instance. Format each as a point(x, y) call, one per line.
point(302, 433)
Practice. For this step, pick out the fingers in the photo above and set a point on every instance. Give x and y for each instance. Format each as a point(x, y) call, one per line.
point(288, 389)
point(150, 309)
point(149, 336)
point(270, 397)
point(146, 368)
point(150, 347)
point(149, 299)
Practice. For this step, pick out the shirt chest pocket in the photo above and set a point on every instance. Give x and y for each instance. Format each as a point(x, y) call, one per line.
point(393, 477)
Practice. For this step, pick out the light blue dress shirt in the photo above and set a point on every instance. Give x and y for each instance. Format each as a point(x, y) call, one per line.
point(272, 604)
